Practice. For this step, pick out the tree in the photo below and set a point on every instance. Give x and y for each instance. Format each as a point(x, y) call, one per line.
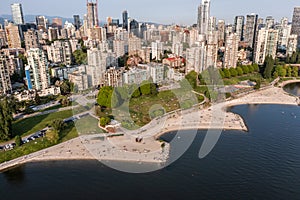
point(104, 96)
point(255, 67)
point(18, 141)
point(239, 71)
point(233, 72)
point(52, 136)
point(135, 91)
point(258, 84)
point(295, 71)
point(281, 71)
point(80, 56)
point(289, 71)
point(245, 69)
point(153, 89)
point(6, 119)
point(227, 73)
point(293, 58)
point(65, 87)
point(65, 101)
point(192, 78)
point(57, 125)
point(221, 73)
point(37, 98)
point(269, 66)
point(145, 88)
point(251, 68)
point(104, 121)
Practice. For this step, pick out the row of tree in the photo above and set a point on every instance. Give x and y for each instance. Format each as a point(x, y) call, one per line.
point(6, 119)
point(271, 70)
point(294, 58)
point(110, 97)
point(239, 71)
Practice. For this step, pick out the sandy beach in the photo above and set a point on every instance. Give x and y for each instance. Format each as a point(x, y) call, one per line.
point(125, 148)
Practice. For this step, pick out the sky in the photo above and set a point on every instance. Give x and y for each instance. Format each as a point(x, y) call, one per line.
point(182, 12)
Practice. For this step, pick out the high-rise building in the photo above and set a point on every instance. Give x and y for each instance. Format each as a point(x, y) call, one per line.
point(284, 30)
point(296, 24)
point(31, 39)
point(92, 14)
point(250, 30)
point(211, 50)
point(292, 44)
point(177, 48)
point(41, 22)
point(195, 57)
point(17, 13)
point(203, 17)
point(134, 44)
point(119, 47)
point(221, 32)
point(212, 24)
point(265, 45)
point(134, 27)
point(231, 51)
point(3, 40)
point(5, 82)
point(97, 64)
point(270, 22)
point(37, 72)
point(125, 20)
point(60, 52)
point(77, 22)
point(157, 50)
point(53, 34)
point(239, 26)
point(13, 36)
point(57, 23)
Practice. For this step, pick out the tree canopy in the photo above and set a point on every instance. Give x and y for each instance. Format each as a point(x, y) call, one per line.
point(6, 119)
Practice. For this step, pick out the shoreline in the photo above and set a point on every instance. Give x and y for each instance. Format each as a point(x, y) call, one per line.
point(76, 149)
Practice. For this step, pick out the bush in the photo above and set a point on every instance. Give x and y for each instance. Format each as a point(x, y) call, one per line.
point(18, 140)
point(104, 121)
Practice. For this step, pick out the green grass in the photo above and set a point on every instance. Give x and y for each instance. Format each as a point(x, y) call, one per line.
point(68, 133)
point(52, 108)
point(31, 125)
point(88, 125)
point(140, 107)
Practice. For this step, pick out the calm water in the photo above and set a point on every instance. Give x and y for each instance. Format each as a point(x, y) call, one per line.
point(293, 88)
point(261, 164)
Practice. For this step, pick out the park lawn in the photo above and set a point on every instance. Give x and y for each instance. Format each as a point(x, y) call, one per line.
point(236, 80)
point(31, 125)
point(88, 125)
point(68, 133)
point(25, 149)
point(170, 100)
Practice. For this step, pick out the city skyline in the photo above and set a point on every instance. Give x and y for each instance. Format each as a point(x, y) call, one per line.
point(163, 14)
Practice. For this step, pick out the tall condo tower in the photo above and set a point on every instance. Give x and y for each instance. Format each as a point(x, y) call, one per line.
point(203, 17)
point(296, 24)
point(92, 14)
point(17, 13)
point(125, 20)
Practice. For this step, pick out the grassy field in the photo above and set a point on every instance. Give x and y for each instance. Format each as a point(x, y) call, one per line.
point(144, 108)
point(88, 125)
point(68, 133)
point(31, 125)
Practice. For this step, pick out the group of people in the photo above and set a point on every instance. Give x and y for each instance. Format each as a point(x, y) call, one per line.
point(139, 140)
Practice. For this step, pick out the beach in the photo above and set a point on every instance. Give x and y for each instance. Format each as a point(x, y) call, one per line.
point(125, 148)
